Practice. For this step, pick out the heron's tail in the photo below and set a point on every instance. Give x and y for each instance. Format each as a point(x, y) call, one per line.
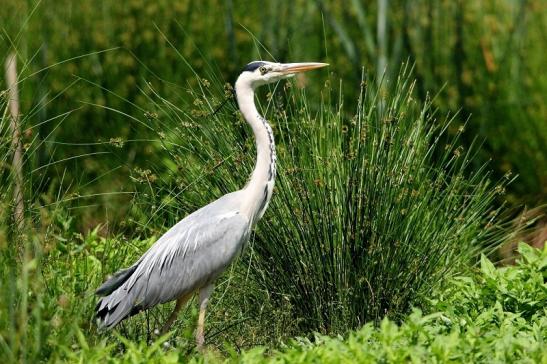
point(118, 301)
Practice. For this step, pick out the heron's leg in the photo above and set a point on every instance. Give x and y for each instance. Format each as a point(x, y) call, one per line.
point(180, 302)
point(204, 294)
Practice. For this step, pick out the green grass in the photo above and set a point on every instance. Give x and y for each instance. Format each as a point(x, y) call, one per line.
point(489, 315)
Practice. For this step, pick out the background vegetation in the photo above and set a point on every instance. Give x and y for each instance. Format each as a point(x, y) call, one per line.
point(398, 168)
point(483, 56)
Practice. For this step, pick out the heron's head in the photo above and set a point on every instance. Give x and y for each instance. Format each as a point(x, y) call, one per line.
point(259, 73)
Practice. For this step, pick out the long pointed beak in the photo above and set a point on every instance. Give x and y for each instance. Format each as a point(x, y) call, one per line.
point(290, 68)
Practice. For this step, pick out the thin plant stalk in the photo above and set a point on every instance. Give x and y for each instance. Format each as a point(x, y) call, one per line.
point(17, 164)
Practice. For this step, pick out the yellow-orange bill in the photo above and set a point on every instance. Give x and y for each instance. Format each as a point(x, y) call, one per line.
point(290, 68)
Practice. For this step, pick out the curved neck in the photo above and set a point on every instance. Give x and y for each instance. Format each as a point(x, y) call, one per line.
point(260, 186)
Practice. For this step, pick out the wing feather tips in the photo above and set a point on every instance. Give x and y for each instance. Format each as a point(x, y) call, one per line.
point(117, 304)
point(115, 281)
point(102, 313)
point(109, 313)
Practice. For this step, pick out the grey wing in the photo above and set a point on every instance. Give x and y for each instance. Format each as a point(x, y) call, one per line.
point(190, 255)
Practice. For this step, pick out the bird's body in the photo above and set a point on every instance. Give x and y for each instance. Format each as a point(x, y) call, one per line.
point(193, 253)
point(187, 257)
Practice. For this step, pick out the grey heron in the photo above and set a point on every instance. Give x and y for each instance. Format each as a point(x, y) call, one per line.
point(193, 253)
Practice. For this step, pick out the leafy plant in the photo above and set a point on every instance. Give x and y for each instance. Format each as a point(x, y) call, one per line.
point(467, 320)
point(519, 290)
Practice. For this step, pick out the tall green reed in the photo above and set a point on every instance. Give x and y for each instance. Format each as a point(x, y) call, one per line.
point(21, 306)
point(34, 241)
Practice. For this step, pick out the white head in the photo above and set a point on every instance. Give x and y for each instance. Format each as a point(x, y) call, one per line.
point(259, 73)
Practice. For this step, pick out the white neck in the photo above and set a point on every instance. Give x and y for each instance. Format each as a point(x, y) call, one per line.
point(260, 187)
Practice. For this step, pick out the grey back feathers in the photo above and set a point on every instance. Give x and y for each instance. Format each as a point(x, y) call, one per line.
point(188, 256)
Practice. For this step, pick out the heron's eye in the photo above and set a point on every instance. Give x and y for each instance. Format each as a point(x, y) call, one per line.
point(263, 70)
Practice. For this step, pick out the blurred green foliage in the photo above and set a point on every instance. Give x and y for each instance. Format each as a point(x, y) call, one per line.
point(486, 54)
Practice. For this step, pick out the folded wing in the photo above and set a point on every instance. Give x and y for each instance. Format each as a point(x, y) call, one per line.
point(187, 257)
